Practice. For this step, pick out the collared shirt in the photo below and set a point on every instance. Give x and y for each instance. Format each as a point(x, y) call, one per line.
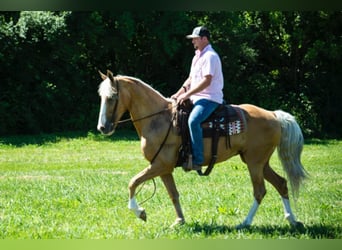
point(207, 62)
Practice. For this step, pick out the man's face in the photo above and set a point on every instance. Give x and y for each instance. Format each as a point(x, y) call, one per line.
point(199, 42)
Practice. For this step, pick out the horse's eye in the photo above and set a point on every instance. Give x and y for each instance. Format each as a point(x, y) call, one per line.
point(112, 98)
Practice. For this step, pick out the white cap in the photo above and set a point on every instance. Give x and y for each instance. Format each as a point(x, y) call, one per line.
point(199, 32)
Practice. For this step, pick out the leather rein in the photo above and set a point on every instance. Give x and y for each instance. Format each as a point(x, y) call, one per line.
point(130, 119)
point(142, 118)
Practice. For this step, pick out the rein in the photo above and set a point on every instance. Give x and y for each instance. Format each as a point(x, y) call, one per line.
point(130, 119)
point(139, 119)
point(142, 118)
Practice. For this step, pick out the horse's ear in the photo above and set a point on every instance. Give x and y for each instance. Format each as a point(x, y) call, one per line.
point(103, 76)
point(110, 75)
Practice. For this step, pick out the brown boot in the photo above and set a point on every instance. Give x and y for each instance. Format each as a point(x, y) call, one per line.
point(196, 167)
point(188, 166)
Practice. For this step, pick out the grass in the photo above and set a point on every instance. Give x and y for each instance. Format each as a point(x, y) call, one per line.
point(74, 185)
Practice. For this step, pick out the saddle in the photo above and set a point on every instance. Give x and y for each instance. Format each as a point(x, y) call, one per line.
point(225, 121)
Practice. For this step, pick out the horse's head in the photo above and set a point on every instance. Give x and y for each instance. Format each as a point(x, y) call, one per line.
point(109, 93)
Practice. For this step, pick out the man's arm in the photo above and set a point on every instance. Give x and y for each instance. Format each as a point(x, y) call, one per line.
point(202, 85)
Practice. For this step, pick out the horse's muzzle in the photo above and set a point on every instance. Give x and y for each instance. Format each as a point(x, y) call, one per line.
point(107, 129)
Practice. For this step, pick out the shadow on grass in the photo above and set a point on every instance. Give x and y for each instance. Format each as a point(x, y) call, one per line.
point(311, 231)
point(41, 139)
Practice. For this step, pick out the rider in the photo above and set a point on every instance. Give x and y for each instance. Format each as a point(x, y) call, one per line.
point(203, 87)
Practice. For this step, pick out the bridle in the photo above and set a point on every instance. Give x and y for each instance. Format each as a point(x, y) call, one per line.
point(117, 100)
point(130, 119)
point(142, 118)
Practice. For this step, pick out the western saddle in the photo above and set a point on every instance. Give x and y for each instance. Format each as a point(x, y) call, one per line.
point(225, 121)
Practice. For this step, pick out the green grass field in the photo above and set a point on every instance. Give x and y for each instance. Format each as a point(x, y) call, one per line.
point(67, 186)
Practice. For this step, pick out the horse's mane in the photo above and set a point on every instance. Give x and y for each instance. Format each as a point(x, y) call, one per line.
point(106, 89)
point(143, 84)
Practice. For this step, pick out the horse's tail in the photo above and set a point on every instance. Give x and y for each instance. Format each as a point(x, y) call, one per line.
point(290, 149)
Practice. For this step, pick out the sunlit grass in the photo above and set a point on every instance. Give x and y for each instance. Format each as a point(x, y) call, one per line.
point(75, 186)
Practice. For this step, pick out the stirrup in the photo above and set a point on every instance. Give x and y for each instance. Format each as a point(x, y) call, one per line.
point(189, 165)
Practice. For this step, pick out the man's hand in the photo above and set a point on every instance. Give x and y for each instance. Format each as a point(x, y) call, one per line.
point(182, 97)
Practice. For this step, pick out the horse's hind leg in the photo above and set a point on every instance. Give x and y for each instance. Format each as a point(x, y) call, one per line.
point(281, 186)
point(256, 173)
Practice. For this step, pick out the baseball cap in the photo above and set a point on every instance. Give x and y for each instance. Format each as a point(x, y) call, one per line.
point(199, 32)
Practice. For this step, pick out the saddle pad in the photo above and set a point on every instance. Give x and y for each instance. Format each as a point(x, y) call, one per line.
point(228, 120)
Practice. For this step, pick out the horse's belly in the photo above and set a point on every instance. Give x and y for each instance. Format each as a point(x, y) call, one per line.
point(226, 148)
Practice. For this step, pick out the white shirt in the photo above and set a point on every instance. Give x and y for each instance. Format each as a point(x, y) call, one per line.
point(207, 62)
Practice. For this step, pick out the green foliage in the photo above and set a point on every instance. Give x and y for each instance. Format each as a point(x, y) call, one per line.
point(275, 59)
point(28, 86)
point(41, 25)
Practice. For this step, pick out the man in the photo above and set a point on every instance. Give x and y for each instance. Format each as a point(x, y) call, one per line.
point(203, 87)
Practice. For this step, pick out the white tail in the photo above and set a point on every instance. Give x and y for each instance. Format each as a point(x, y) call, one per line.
point(290, 149)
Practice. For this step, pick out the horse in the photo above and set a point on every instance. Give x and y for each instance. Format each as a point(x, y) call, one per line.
point(152, 115)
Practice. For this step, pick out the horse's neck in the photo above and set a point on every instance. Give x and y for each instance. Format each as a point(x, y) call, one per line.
point(146, 102)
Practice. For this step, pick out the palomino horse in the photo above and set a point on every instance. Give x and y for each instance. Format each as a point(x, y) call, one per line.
point(152, 115)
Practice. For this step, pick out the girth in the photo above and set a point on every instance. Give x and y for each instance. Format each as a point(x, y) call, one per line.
point(225, 121)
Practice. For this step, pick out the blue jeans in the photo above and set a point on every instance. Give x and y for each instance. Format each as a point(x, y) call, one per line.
point(201, 111)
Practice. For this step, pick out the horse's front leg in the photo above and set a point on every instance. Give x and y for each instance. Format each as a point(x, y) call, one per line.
point(147, 174)
point(170, 185)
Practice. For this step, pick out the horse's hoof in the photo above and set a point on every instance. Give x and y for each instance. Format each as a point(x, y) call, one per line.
point(299, 226)
point(143, 215)
point(178, 222)
point(242, 226)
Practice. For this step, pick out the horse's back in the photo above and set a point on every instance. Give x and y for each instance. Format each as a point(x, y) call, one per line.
point(257, 112)
point(262, 125)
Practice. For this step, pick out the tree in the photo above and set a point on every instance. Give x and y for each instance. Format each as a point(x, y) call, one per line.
point(274, 59)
